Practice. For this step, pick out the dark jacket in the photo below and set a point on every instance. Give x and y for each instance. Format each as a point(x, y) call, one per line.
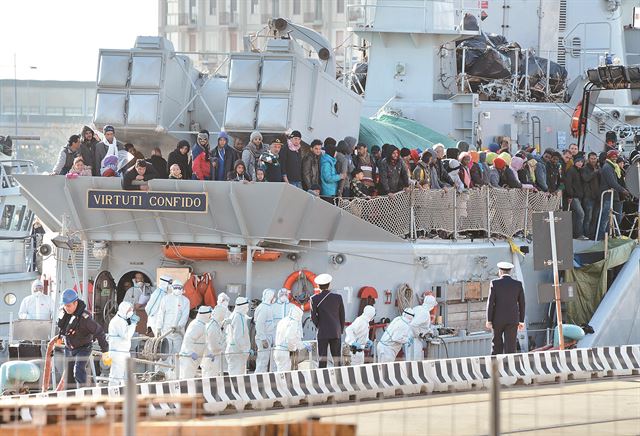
point(506, 301)
point(88, 153)
point(327, 313)
point(310, 171)
point(175, 157)
point(272, 167)
point(590, 181)
point(609, 180)
point(291, 163)
point(393, 176)
point(367, 164)
point(80, 330)
point(553, 177)
point(226, 162)
point(541, 174)
point(130, 176)
point(508, 179)
point(160, 165)
point(443, 175)
point(426, 176)
point(573, 183)
point(479, 174)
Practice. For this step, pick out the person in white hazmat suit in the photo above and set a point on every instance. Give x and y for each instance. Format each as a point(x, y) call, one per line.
point(222, 305)
point(288, 338)
point(281, 307)
point(265, 329)
point(357, 335)
point(37, 305)
point(173, 315)
point(397, 335)
point(153, 305)
point(212, 362)
point(238, 343)
point(194, 343)
point(421, 326)
point(121, 329)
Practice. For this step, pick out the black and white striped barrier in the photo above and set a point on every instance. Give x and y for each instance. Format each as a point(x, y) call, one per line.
point(369, 381)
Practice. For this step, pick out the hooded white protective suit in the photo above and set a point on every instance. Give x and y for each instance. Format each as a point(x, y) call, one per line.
point(357, 334)
point(421, 325)
point(121, 330)
point(222, 305)
point(153, 305)
point(194, 343)
point(213, 361)
point(265, 329)
point(281, 307)
point(238, 342)
point(397, 335)
point(37, 305)
point(173, 314)
point(288, 338)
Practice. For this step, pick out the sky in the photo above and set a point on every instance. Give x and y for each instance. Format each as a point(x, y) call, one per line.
point(61, 38)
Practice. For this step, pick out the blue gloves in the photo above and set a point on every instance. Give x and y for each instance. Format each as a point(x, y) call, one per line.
point(252, 352)
point(307, 347)
point(135, 319)
point(194, 355)
point(369, 344)
point(410, 342)
point(356, 345)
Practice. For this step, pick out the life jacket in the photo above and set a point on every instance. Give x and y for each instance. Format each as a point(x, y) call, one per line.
point(207, 291)
point(191, 292)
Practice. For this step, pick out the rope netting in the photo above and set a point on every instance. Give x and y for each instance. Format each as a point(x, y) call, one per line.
point(495, 211)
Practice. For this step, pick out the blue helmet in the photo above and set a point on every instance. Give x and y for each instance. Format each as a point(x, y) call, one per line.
point(69, 296)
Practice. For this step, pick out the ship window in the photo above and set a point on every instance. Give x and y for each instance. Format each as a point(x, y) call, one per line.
point(17, 218)
point(27, 221)
point(7, 214)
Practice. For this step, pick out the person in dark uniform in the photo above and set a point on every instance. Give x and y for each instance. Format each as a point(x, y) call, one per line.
point(79, 331)
point(327, 313)
point(505, 310)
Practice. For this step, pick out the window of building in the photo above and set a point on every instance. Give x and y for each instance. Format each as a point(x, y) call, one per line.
point(192, 42)
point(254, 6)
point(296, 7)
point(193, 11)
point(275, 8)
point(233, 41)
point(318, 10)
point(212, 7)
point(340, 6)
point(7, 214)
point(339, 38)
point(17, 218)
point(27, 221)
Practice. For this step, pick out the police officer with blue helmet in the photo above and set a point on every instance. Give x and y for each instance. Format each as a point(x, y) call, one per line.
point(79, 330)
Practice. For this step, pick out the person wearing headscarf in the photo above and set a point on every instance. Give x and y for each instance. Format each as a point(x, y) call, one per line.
point(454, 174)
point(464, 173)
point(425, 173)
point(239, 173)
point(202, 165)
point(180, 156)
point(223, 157)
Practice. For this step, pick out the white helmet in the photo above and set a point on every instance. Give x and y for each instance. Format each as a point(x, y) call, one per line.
point(125, 310)
point(37, 286)
point(176, 287)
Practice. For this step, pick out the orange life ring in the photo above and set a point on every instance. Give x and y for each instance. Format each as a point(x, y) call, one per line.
point(576, 125)
point(294, 277)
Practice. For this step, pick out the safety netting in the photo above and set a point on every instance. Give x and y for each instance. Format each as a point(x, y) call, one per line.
point(492, 211)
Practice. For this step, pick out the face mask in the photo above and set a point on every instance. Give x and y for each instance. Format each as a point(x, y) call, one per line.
point(284, 299)
point(129, 314)
point(177, 291)
point(37, 292)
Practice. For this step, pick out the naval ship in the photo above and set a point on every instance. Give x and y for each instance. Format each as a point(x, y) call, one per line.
point(387, 251)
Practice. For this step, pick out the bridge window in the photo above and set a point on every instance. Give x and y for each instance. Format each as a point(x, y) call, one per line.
point(7, 214)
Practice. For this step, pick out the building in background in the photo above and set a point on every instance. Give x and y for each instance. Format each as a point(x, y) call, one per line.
point(53, 110)
point(213, 28)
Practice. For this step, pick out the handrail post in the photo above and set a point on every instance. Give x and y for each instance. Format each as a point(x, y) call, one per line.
point(488, 189)
point(455, 214)
point(526, 213)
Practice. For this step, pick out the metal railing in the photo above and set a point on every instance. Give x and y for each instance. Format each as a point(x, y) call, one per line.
point(419, 213)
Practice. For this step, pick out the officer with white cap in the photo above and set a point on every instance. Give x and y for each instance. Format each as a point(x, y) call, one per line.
point(37, 305)
point(194, 343)
point(505, 310)
point(238, 342)
point(357, 335)
point(421, 326)
point(327, 313)
point(265, 329)
point(121, 330)
point(173, 315)
point(288, 339)
point(398, 334)
point(153, 305)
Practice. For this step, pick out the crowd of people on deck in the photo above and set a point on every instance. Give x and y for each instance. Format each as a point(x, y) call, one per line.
point(344, 168)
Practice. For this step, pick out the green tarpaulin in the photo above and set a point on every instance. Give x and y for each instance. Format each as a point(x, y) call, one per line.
point(591, 280)
point(402, 132)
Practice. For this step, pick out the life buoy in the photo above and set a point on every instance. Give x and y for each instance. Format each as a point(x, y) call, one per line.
point(294, 277)
point(577, 126)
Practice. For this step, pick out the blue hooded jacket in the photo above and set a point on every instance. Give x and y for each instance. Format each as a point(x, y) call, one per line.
point(329, 177)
